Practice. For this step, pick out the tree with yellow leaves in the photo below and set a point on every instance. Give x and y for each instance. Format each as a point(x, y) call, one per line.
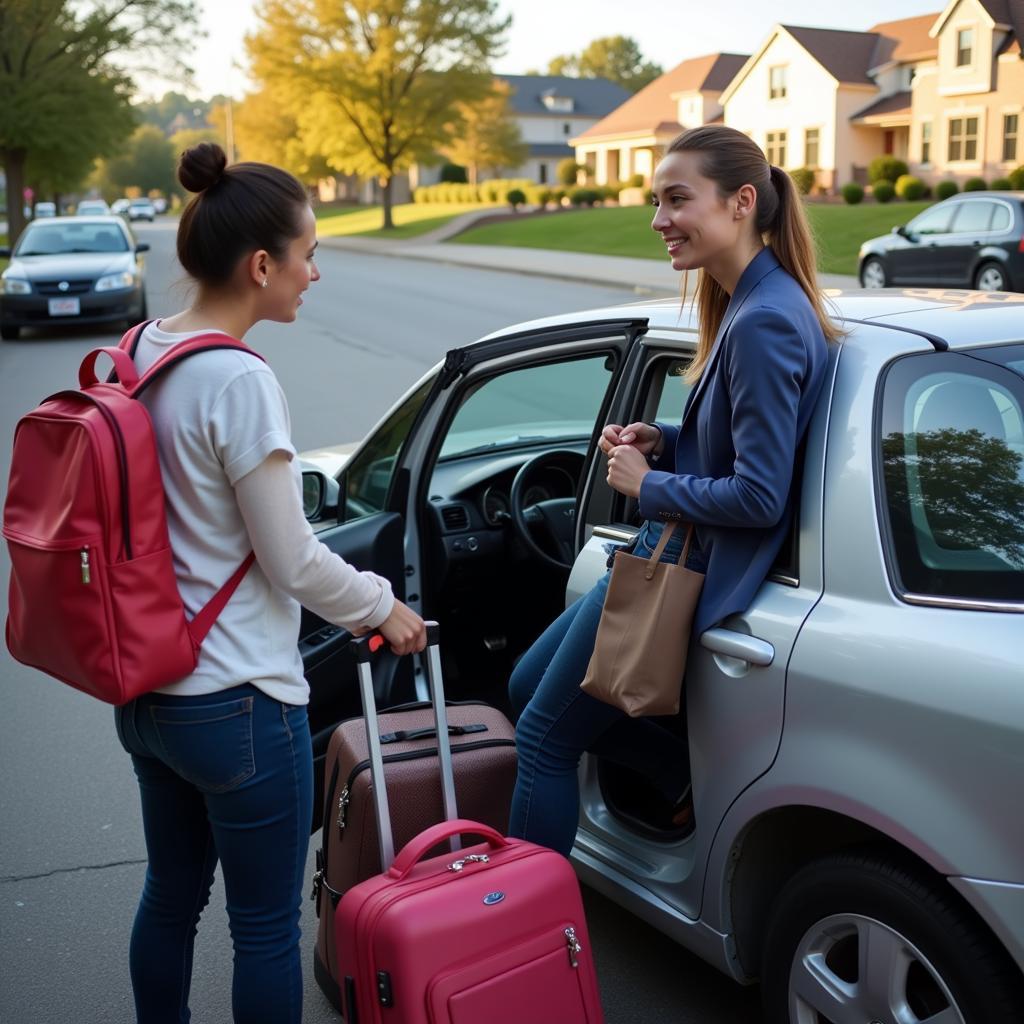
point(488, 138)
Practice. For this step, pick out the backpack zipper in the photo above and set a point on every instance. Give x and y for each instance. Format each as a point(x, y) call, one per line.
point(86, 575)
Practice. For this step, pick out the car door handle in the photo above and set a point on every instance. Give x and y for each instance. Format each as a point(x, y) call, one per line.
point(738, 645)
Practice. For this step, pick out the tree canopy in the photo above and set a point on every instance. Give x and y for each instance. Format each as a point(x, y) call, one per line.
point(488, 137)
point(65, 99)
point(374, 85)
point(617, 58)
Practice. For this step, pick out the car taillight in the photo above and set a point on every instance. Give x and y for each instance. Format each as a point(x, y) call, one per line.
point(1020, 245)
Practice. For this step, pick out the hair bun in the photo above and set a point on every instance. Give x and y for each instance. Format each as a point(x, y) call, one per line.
point(202, 166)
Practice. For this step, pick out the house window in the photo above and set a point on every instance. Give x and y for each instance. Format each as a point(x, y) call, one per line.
point(811, 147)
point(964, 47)
point(1010, 123)
point(777, 82)
point(775, 148)
point(543, 174)
point(926, 142)
point(963, 138)
point(889, 142)
point(566, 128)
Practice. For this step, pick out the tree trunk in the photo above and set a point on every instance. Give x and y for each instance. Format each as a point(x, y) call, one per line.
point(473, 175)
point(14, 169)
point(386, 203)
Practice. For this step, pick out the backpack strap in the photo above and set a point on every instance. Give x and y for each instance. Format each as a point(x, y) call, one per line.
point(174, 355)
point(208, 614)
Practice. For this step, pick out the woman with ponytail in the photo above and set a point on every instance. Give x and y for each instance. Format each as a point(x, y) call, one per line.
point(727, 468)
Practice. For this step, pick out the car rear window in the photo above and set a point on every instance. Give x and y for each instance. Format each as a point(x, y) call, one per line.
point(951, 451)
point(974, 216)
point(52, 239)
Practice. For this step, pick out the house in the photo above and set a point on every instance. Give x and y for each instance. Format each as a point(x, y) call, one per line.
point(632, 137)
point(550, 110)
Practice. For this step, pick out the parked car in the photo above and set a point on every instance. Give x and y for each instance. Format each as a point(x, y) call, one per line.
point(120, 207)
point(160, 204)
point(92, 208)
point(972, 240)
point(141, 209)
point(80, 269)
point(856, 734)
point(46, 209)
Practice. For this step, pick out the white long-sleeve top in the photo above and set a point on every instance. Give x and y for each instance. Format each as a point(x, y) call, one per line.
point(232, 484)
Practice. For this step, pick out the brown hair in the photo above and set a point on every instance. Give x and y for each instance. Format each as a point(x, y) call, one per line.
point(731, 159)
point(238, 209)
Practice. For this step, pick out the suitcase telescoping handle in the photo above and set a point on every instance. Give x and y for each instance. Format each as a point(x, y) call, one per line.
point(365, 649)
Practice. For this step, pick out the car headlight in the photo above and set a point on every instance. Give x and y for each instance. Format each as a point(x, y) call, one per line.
point(109, 282)
point(14, 286)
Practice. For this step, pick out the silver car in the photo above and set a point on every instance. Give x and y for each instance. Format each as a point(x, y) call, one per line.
point(857, 735)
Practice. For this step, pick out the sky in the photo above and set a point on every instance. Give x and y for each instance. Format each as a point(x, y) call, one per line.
point(668, 31)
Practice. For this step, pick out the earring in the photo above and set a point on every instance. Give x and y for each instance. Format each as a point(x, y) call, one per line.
point(264, 283)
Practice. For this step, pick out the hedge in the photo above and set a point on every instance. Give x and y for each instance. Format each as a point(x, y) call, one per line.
point(975, 185)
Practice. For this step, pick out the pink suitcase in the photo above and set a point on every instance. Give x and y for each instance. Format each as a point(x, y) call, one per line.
point(494, 933)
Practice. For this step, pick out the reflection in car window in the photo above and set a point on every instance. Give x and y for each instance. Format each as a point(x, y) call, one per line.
point(1003, 218)
point(934, 221)
point(535, 403)
point(952, 450)
point(674, 391)
point(368, 476)
point(974, 216)
point(51, 239)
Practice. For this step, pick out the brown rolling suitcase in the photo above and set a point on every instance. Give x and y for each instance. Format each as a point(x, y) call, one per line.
point(482, 743)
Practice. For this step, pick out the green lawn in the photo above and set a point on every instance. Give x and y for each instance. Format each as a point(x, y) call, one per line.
point(411, 219)
point(626, 231)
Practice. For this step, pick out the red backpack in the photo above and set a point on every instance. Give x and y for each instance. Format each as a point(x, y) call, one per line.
point(93, 596)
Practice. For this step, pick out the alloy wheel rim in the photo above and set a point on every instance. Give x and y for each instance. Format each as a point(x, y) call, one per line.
point(991, 280)
point(848, 968)
point(874, 275)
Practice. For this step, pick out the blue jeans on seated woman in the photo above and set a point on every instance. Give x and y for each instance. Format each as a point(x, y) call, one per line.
point(224, 776)
point(557, 722)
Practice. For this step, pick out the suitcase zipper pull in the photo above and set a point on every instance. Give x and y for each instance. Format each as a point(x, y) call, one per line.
point(343, 808)
point(86, 575)
point(574, 946)
point(479, 858)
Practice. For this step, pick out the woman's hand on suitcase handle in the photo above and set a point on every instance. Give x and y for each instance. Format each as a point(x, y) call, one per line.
point(404, 630)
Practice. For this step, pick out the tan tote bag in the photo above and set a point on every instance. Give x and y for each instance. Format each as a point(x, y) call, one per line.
point(640, 653)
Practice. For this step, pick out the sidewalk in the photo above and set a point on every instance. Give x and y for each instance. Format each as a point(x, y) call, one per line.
point(645, 277)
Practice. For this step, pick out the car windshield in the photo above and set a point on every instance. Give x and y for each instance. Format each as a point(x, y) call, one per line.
point(54, 239)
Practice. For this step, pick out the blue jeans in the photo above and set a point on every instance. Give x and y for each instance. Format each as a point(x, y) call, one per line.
point(224, 776)
point(557, 722)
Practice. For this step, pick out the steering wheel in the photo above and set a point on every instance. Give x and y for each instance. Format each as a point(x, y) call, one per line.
point(554, 518)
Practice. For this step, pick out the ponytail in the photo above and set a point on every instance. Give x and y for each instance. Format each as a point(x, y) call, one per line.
point(731, 159)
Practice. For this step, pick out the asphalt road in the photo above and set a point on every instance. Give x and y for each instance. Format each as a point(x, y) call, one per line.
point(71, 850)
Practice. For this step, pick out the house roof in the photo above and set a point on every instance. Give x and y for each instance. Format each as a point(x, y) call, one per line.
point(653, 109)
point(592, 97)
point(904, 40)
point(897, 104)
point(845, 55)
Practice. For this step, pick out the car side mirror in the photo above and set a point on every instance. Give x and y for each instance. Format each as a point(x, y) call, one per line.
point(319, 495)
point(899, 229)
point(5, 252)
point(142, 247)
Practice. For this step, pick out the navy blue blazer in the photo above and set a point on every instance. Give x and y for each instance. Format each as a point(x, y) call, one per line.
point(729, 466)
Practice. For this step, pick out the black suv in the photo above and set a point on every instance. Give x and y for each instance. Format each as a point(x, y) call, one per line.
point(973, 240)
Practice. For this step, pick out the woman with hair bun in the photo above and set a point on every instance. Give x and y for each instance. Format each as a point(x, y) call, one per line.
point(728, 468)
point(223, 758)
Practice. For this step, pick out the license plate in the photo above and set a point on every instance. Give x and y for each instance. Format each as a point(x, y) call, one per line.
point(64, 307)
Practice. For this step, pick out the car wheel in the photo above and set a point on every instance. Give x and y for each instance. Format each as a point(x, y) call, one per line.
point(9, 332)
point(872, 273)
point(859, 937)
point(990, 277)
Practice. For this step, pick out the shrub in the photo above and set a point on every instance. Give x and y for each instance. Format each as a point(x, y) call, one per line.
point(975, 185)
point(538, 195)
point(515, 197)
point(1016, 177)
point(610, 191)
point(454, 173)
point(557, 195)
point(583, 196)
point(883, 191)
point(567, 170)
point(1001, 184)
point(421, 195)
point(803, 179)
point(886, 168)
point(945, 189)
point(852, 193)
point(910, 188)
point(636, 181)
point(648, 196)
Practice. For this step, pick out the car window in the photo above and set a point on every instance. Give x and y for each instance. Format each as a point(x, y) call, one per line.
point(1002, 219)
point(51, 239)
point(553, 401)
point(974, 215)
point(674, 390)
point(952, 457)
point(368, 477)
point(934, 221)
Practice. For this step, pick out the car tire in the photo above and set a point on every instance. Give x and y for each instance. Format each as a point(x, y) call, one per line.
point(872, 273)
point(991, 277)
point(9, 332)
point(928, 954)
